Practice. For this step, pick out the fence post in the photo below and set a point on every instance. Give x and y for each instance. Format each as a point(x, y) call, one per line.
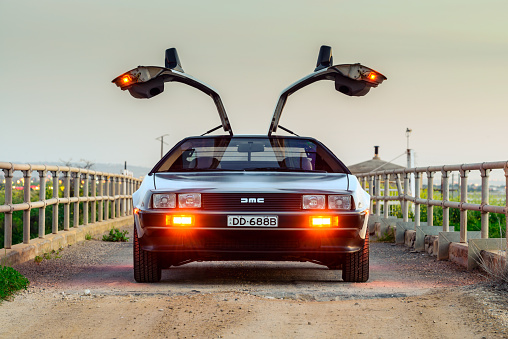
point(123, 201)
point(463, 200)
point(85, 194)
point(485, 201)
point(8, 215)
point(371, 192)
point(445, 187)
point(386, 195)
point(129, 193)
point(430, 196)
point(77, 182)
point(113, 202)
point(67, 195)
point(378, 192)
point(417, 196)
point(118, 192)
point(42, 197)
point(106, 196)
point(101, 194)
point(56, 191)
point(27, 175)
point(506, 203)
point(131, 206)
point(93, 212)
point(405, 206)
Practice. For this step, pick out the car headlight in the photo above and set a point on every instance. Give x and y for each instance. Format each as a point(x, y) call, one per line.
point(339, 202)
point(164, 200)
point(189, 200)
point(314, 202)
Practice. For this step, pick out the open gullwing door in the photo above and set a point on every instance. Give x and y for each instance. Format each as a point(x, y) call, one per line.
point(144, 82)
point(350, 79)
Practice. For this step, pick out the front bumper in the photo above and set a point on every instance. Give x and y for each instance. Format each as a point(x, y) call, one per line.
point(211, 235)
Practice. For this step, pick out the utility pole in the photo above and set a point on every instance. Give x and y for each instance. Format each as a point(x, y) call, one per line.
point(161, 138)
point(410, 163)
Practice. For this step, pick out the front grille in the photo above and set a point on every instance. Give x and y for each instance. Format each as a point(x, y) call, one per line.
point(273, 202)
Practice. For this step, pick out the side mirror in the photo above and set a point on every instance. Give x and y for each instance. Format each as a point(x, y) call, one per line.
point(149, 89)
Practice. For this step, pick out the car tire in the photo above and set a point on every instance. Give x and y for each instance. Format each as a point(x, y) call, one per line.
point(356, 265)
point(146, 264)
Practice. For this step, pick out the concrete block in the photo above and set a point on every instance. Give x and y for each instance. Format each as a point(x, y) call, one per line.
point(494, 262)
point(435, 246)
point(421, 232)
point(478, 245)
point(373, 219)
point(429, 244)
point(458, 253)
point(381, 227)
point(401, 230)
point(445, 238)
point(377, 229)
point(409, 238)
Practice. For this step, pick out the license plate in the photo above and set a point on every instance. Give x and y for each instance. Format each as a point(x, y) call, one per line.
point(253, 220)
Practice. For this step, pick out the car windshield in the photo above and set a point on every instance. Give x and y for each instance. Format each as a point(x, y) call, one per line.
point(226, 153)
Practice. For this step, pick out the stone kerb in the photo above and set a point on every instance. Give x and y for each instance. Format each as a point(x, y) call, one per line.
point(373, 219)
point(458, 253)
point(23, 252)
point(402, 227)
point(381, 227)
point(477, 246)
point(421, 232)
point(494, 260)
point(446, 238)
point(409, 238)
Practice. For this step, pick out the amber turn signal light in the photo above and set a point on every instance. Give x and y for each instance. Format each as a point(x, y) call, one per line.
point(320, 222)
point(180, 220)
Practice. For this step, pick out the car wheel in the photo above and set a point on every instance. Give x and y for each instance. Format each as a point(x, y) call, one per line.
point(356, 265)
point(146, 264)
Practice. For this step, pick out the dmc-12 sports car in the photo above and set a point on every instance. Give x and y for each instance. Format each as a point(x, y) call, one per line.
point(250, 197)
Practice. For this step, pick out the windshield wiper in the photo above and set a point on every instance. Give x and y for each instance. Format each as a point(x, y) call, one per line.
point(200, 170)
point(280, 169)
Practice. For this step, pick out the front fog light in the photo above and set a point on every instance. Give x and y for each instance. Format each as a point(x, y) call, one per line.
point(164, 200)
point(339, 202)
point(313, 202)
point(189, 200)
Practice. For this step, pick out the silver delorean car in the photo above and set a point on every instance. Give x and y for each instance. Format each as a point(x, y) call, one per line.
point(250, 197)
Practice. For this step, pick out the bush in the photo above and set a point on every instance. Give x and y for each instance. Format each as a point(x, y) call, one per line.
point(11, 281)
point(116, 235)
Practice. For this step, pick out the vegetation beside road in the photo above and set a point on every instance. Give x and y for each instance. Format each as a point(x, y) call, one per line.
point(497, 221)
point(11, 281)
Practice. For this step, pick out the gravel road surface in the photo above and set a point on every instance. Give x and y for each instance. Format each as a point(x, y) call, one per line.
point(88, 291)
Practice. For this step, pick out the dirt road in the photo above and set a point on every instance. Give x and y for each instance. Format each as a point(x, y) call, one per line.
point(89, 293)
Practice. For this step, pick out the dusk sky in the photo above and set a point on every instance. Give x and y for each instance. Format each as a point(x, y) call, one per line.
point(446, 63)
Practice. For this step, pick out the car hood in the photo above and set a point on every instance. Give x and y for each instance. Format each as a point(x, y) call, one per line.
point(272, 182)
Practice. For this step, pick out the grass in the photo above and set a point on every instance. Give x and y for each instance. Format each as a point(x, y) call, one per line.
point(48, 256)
point(88, 236)
point(497, 270)
point(11, 281)
point(115, 235)
point(388, 236)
